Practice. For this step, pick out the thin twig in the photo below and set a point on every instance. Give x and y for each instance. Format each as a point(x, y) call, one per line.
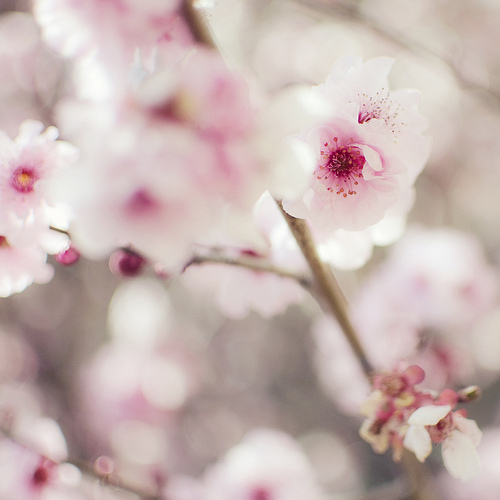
point(328, 287)
point(253, 263)
point(87, 469)
point(198, 26)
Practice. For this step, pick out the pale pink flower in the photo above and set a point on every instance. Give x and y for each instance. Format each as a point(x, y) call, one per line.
point(139, 193)
point(422, 303)
point(458, 436)
point(29, 164)
point(266, 464)
point(400, 414)
point(366, 164)
point(361, 91)
point(356, 179)
point(486, 484)
point(159, 167)
point(22, 266)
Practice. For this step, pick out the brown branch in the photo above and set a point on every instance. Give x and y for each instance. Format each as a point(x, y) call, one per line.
point(247, 262)
point(327, 285)
point(198, 26)
point(88, 469)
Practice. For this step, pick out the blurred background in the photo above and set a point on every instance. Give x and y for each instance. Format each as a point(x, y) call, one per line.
point(151, 372)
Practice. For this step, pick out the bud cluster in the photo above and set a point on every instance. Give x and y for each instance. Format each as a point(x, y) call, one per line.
point(400, 415)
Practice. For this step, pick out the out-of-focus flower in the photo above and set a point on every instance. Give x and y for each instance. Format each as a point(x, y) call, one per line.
point(266, 464)
point(422, 305)
point(29, 164)
point(402, 415)
point(459, 437)
point(21, 266)
point(113, 28)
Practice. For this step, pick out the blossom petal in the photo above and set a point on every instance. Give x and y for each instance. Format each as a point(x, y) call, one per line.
point(469, 428)
point(418, 441)
point(429, 415)
point(460, 456)
point(372, 157)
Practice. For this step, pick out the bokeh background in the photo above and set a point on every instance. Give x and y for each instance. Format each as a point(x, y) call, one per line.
point(149, 371)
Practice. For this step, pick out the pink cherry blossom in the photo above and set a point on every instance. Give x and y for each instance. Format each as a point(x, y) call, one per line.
point(459, 437)
point(366, 164)
point(29, 165)
point(399, 414)
point(361, 91)
point(21, 266)
point(266, 464)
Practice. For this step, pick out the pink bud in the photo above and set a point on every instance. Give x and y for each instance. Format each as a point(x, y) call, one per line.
point(126, 263)
point(414, 374)
point(68, 256)
point(448, 397)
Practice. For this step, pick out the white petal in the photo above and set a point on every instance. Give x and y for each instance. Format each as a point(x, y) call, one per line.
point(469, 428)
point(429, 415)
point(418, 441)
point(460, 456)
point(371, 157)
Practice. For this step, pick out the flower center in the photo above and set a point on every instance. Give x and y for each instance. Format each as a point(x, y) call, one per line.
point(23, 179)
point(260, 493)
point(380, 107)
point(340, 168)
point(141, 203)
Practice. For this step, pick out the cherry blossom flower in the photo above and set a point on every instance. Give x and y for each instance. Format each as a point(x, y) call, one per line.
point(458, 436)
point(79, 26)
point(21, 266)
point(402, 415)
point(266, 464)
point(366, 164)
point(29, 164)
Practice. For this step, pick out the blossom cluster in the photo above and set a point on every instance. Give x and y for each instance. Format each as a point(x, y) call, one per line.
point(30, 165)
point(400, 415)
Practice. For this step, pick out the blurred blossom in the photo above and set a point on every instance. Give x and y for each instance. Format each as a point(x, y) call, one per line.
point(131, 393)
point(139, 311)
point(485, 485)
point(266, 464)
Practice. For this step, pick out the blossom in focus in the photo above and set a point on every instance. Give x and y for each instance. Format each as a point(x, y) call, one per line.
point(369, 150)
point(172, 154)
